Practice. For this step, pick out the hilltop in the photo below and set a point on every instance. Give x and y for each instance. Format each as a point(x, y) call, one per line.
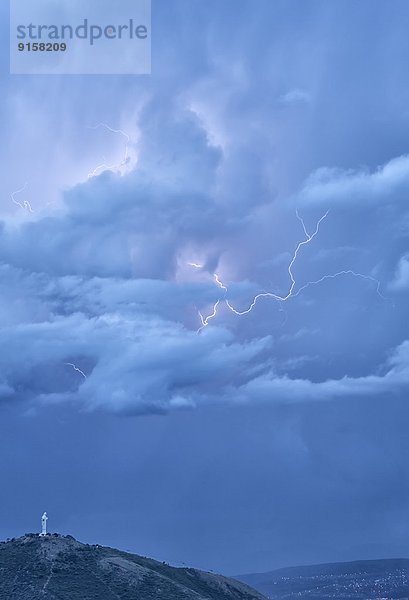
point(56, 567)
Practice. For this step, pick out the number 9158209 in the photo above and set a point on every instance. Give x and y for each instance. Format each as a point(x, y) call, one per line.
point(42, 47)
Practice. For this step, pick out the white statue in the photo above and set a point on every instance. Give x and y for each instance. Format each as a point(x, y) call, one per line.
point(44, 520)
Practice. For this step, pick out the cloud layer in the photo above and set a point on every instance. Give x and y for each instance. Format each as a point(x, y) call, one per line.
point(104, 282)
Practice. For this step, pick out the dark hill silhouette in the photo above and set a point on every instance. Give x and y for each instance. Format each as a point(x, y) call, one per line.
point(358, 580)
point(56, 567)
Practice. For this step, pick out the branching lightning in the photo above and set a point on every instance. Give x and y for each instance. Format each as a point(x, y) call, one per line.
point(205, 320)
point(338, 274)
point(116, 166)
point(292, 291)
point(25, 205)
point(76, 369)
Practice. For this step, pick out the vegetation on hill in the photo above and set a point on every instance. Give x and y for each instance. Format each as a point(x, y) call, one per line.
point(58, 567)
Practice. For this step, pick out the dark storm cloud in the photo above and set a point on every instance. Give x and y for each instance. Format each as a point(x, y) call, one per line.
point(297, 449)
point(135, 361)
point(109, 288)
point(93, 308)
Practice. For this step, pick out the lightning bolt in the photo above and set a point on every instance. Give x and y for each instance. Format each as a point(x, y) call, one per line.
point(205, 320)
point(117, 166)
point(76, 369)
point(338, 274)
point(26, 204)
point(219, 283)
point(292, 291)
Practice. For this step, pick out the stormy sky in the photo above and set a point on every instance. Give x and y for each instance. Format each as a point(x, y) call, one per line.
point(241, 442)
